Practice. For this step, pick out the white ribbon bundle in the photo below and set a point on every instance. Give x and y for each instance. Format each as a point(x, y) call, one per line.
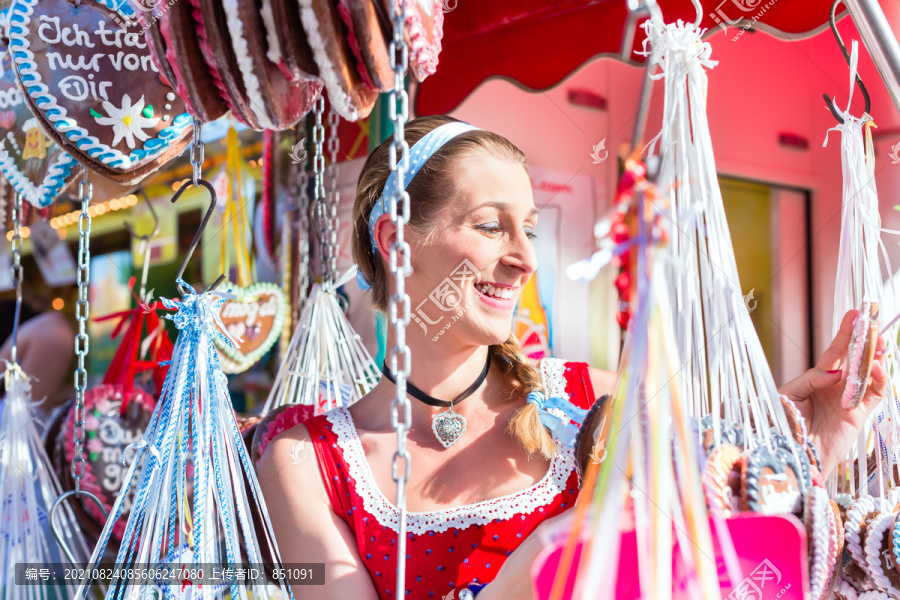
point(860, 276)
point(28, 489)
point(326, 365)
point(193, 424)
point(726, 373)
point(651, 441)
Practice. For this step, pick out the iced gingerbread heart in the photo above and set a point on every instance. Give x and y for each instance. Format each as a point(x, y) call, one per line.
point(90, 80)
point(769, 485)
point(821, 539)
point(860, 514)
point(108, 432)
point(424, 30)
point(722, 479)
point(587, 441)
point(880, 556)
point(32, 164)
point(860, 354)
point(255, 318)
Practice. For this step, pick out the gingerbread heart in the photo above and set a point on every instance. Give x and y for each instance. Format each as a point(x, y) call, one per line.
point(107, 433)
point(255, 318)
point(89, 78)
point(35, 166)
point(722, 479)
point(769, 485)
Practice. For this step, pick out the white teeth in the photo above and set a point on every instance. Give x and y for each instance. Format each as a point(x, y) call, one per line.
point(496, 292)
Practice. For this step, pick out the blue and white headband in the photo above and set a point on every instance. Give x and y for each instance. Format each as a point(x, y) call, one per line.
point(418, 156)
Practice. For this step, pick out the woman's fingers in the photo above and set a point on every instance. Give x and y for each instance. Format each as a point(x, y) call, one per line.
point(832, 357)
point(878, 387)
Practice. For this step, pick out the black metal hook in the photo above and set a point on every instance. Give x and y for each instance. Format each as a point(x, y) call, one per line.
point(155, 231)
point(199, 234)
point(859, 82)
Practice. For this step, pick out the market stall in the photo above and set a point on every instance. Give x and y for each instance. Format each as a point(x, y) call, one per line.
point(228, 307)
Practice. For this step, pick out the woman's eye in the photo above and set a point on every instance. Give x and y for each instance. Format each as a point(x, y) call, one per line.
point(489, 228)
point(531, 234)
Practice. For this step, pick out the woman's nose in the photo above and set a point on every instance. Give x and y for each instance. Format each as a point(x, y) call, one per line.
point(521, 254)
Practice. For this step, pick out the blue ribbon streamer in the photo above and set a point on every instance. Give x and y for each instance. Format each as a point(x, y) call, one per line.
point(562, 429)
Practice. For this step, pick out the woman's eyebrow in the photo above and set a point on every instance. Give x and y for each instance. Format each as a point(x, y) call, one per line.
point(504, 206)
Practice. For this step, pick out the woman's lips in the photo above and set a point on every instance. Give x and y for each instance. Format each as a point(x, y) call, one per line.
point(494, 302)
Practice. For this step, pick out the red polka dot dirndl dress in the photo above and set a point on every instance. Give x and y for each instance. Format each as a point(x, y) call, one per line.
point(448, 549)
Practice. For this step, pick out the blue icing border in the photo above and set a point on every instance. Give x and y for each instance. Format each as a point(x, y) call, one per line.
point(20, 13)
point(49, 189)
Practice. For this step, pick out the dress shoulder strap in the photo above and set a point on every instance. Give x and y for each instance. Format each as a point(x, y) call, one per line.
point(331, 465)
point(569, 380)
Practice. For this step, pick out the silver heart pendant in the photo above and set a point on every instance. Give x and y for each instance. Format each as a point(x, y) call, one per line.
point(448, 427)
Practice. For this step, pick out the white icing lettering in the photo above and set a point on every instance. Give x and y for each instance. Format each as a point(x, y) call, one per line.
point(147, 63)
point(236, 330)
point(103, 85)
point(74, 88)
point(103, 32)
point(10, 98)
point(110, 432)
point(113, 479)
point(269, 308)
point(134, 40)
point(50, 32)
point(45, 25)
point(132, 62)
point(119, 37)
point(70, 63)
point(110, 454)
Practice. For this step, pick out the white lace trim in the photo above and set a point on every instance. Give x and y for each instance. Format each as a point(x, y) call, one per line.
point(481, 513)
point(553, 375)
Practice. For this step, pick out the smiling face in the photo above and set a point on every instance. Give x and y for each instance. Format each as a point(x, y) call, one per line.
point(490, 225)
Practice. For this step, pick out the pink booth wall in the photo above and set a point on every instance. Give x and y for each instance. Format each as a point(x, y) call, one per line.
point(762, 87)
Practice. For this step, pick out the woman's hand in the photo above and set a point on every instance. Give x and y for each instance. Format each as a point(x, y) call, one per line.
point(817, 394)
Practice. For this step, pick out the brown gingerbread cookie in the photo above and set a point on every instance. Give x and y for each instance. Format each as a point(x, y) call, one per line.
point(347, 92)
point(861, 354)
point(193, 79)
point(587, 433)
point(722, 479)
point(368, 39)
point(97, 93)
point(769, 485)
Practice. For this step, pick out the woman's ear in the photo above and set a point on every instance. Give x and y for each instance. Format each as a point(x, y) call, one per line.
point(385, 235)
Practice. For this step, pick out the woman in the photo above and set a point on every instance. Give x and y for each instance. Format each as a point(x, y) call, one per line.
point(476, 502)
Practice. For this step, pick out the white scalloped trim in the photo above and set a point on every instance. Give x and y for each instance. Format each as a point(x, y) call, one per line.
point(481, 513)
point(339, 98)
point(855, 514)
point(873, 595)
point(844, 590)
point(245, 64)
point(874, 539)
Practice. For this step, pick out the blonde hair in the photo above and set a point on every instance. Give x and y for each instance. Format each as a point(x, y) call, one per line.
point(431, 190)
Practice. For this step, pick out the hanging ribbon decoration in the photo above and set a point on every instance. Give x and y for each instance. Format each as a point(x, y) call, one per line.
point(209, 518)
point(236, 216)
point(326, 364)
point(858, 280)
point(28, 485)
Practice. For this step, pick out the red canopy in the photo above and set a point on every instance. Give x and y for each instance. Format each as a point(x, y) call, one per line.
point(537, 43)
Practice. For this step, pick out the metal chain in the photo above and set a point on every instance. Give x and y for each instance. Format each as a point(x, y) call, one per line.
point(16, 269)
point(303, 230)
point(401, 413)
point(332, 222)
point(197, 152)
point(318, 202)
point(82, 311)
